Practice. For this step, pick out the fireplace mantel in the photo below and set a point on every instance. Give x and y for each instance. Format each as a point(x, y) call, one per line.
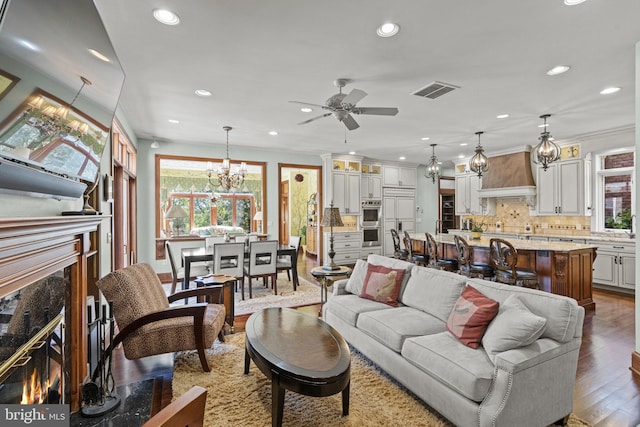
point(33, 248)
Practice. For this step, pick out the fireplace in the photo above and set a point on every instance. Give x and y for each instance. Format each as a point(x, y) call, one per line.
point(59, 252)
point(32, 345)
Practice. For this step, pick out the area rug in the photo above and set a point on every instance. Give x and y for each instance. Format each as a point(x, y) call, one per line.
point(234, 399)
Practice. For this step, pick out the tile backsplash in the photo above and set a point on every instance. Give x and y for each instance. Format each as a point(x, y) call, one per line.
point(514, 215)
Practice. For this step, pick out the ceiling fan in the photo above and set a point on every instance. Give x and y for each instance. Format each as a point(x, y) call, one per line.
point(342, 106)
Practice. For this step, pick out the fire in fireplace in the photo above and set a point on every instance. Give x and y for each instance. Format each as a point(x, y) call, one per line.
point(32, 342)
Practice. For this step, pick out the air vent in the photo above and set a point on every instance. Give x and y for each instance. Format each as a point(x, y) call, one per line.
point(435, 90)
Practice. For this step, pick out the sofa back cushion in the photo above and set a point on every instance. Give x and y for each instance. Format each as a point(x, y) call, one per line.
point(433, 291)
point(562, 313)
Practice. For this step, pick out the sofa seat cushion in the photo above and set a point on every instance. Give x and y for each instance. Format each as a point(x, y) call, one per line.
point(392, 327)
point(466, 370)
point(349, 307)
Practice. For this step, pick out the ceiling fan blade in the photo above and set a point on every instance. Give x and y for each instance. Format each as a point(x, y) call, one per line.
point(314, 118)
point(308, 103)
point(350, 122)
point(354, 96)
point(380, 111)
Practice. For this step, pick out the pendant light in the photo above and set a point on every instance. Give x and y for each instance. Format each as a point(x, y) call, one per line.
point(433, 170)
point(546, 151)
point(479, 162)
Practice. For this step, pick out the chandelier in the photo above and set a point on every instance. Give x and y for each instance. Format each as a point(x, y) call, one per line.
point(433, 170)
point(51, 120)
point(228, 181)
point(479, 162)
point(546, 151)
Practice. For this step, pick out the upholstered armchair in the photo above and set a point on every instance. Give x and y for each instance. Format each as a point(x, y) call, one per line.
point(148, 325)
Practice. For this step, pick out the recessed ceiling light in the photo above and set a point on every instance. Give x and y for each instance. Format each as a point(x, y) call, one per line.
point(609, 90)
point(558, 69)
point(573, 2)
point(166, 17)
point(502, 116)
point(174, 121)
point(461, 156)
point(388, 29)
point(203, 92)
point(463, 144)
point(306, 109)
point(426, 138)
point(352, 152)
point(273, 132)
point(402, 158)
point(99, 55)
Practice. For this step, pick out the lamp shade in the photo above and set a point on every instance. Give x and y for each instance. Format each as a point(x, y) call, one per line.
point(258, 216)
point(331, 218)
point(175, 211)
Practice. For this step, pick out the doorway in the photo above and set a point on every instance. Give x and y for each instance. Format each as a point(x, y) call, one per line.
point(300, 196)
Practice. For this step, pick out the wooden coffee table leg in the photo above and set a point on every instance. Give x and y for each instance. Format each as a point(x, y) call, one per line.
point(277, 400)
point(345, 399)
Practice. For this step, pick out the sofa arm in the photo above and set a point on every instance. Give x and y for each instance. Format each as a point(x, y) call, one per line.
point(537, 353)
point(339, 287)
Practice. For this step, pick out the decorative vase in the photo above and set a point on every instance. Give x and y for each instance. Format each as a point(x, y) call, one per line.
point(476, 235)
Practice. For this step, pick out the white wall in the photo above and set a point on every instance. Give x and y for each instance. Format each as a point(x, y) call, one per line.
point(637, 177)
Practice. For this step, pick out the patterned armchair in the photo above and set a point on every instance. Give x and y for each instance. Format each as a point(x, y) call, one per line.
point(149, 326)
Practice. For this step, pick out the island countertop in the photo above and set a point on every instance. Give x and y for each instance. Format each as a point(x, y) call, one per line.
point(593, 236)
point(519, 244)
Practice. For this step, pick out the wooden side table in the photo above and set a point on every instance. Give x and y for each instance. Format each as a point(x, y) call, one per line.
point(326, 278)
point(228, 298)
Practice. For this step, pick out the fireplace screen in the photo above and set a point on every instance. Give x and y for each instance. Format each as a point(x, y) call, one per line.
point(32, 342)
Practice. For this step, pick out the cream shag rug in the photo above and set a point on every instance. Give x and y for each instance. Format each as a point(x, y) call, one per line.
point(235, 399)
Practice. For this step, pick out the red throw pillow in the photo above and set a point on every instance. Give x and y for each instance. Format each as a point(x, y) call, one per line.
point(471, 316)
point(382, 284)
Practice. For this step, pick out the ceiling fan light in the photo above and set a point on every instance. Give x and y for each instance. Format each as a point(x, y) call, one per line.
point(388, 29)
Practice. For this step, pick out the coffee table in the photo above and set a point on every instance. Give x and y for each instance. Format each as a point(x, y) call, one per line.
point(297, 352)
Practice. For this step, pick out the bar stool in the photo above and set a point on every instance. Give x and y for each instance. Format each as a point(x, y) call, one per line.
point(467, 266)
point(416, 258)
point(448, 264)
point(504, 258)
point(398, 252)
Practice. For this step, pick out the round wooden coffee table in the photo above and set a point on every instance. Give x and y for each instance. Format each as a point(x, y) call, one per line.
point(299, 353)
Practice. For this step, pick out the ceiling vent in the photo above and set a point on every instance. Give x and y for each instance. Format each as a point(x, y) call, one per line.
point(435, 90)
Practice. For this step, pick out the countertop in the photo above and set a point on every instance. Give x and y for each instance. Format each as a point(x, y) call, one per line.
point(602, 236)
point(519, 244)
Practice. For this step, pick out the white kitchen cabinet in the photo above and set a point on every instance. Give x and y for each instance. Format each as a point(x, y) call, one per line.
point(398, 211)
point(346, 192)
point(467, 198)
point(373, 250)
point(346, 245)
point(371, 185)
point(561, 188)
point(399, 176)
point(615, 264)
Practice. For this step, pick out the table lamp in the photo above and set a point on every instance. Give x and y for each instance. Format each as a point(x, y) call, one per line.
point(330, 219)
point(258, 218)
point(175, 212)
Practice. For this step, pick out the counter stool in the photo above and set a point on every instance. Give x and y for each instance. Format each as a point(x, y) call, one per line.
point(414, 257)
point(504, 258)
point(467, 267)
point(448, 264)
point(398, 252)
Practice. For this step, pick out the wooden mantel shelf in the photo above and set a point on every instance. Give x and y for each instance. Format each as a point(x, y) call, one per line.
point(31, 249)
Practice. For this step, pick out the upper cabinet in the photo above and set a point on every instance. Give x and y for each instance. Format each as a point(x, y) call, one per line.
point(399, 176)
point(466, 197)
point(562, 189)
point(342, 178)
point(371, 186)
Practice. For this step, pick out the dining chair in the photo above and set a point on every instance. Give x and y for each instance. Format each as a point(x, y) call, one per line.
point(448, 264)
point(414, 257)
point(504, 258)
point(285, 263)
point(467, 266)
point(177, 273)
point(186, 410)
point(262, 263)
point(208, 246)
point(228, 258)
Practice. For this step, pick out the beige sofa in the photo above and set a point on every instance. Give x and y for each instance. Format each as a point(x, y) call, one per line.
point(530, 385)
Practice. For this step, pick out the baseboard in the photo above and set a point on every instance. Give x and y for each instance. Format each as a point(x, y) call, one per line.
point(635, 363)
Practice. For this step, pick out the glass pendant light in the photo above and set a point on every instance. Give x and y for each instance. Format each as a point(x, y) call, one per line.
point(433, 170)
point(546, 151)
point(479, 162)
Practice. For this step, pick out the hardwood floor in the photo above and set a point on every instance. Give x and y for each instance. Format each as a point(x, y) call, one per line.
point(606, 392)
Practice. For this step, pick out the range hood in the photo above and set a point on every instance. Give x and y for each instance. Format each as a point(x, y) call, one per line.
point(510, 176)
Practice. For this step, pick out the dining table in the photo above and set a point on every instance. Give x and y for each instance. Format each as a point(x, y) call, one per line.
point(191, 255)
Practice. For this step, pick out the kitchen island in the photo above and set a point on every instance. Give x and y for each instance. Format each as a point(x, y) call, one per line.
point(563, 268)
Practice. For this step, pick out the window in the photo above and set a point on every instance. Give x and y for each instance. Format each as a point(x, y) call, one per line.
point(615, 191)
point(209, 209)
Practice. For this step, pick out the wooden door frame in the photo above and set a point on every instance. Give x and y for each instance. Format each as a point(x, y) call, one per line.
point(318, 170)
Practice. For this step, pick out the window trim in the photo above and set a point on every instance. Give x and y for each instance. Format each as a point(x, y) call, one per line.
point(601, 174)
